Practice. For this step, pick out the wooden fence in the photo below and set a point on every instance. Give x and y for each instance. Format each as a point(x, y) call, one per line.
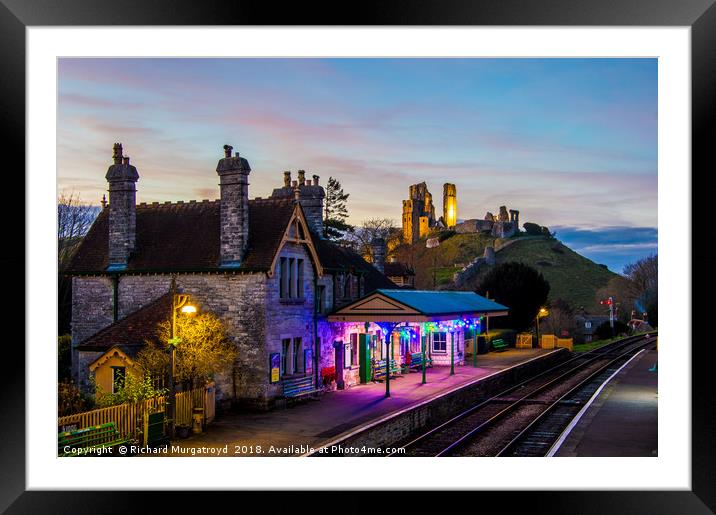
point(129, 418)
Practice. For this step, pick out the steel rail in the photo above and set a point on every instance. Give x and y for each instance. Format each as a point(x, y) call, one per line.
point(591, 356)
point(585, 382)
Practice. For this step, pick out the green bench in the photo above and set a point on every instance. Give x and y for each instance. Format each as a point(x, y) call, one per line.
point(379, 369)
point(416, 362)
point(296, 387)
point(103, 435)
point(498, 345)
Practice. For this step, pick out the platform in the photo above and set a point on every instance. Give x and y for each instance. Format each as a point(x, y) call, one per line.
point(313, 423)
point(623, 419)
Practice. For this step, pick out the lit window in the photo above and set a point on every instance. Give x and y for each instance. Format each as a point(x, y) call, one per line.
point(439, 342)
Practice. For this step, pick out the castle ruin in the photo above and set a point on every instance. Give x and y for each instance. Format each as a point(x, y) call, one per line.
point(419, 216)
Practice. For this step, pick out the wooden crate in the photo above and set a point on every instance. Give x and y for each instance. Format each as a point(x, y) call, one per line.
point(524, 341)
point(567, 343)
point(548, 341)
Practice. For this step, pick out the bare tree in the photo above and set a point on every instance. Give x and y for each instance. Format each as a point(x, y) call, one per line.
point(560, 318)
point(360, 239)
point(73, 221)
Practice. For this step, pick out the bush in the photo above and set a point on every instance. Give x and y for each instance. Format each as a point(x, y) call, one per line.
point(444, 235)
point(604, 331)
point(70, 399)
point(64, 357)
point(521, 288)
point(532, 229)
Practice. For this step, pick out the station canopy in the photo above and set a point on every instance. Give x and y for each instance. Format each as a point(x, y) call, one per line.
point(417, 306)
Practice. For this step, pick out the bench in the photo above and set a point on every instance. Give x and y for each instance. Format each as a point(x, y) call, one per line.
point(379, 369)
point(296, 387)
point(103, 435)
point(498, 345)
point(416, 362)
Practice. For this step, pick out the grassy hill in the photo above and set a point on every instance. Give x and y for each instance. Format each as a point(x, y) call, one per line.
point(571, 276)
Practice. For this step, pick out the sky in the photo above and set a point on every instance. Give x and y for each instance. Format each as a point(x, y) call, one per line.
point(570, 143)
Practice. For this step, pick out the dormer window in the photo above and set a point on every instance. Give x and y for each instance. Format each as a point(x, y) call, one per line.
point(290, 278)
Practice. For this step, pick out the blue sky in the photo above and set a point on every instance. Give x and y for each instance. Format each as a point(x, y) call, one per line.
point(569, 142)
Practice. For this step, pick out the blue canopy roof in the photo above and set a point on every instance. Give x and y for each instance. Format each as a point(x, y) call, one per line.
point(443, 302)
point(390, 305)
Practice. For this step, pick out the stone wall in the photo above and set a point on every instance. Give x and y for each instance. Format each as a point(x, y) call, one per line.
point(91, 310)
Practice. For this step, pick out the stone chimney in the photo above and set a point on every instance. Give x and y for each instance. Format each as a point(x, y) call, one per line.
point(315, 180)
point(287, 179)
point(234, 186)
point(122, 178)
point(301, 177)
point(377, 245)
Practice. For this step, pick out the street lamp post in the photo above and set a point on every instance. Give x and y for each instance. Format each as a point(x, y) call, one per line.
point(180, 302)
point(541, 313)
point(433, 243)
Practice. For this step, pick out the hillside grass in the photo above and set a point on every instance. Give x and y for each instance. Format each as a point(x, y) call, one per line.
point(571, 276)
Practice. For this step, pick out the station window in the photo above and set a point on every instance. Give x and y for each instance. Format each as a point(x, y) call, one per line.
point(291, 278)
point(285, 346)
point(440, 342)
point(347, 356)
point(354, 349)
point(297, 356)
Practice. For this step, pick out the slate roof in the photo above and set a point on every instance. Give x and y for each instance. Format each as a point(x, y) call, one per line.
point(184, 236)
point(430, 302)
point(131, 332)
point(335, 257)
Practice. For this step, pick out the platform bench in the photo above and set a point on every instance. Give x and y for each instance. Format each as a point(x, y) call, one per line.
point(499, 345)
point(296, 387)
point(416, 362)
point(103, 435)
point(379, 369)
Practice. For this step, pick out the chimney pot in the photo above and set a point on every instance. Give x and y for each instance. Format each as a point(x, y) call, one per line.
point(117, 153)
point(227, 150)
point(287, 179)
point(301, 177)
point(125, 160)
point(315, 180)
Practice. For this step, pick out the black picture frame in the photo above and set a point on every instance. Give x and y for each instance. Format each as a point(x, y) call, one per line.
point(699, 15)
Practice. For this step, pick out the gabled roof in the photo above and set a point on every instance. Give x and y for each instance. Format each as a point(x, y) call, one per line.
point(391, 305)
point(184, 236)
point(131, 332)
point(335, 257)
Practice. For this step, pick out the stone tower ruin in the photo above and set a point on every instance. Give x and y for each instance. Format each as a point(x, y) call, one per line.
point(449, 205)
point(418, 213)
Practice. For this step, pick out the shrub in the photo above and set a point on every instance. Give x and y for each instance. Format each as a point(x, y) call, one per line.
point(64, 356)
point(532, 229)
point(444, 235)
point(604, 331)
point(70, 399)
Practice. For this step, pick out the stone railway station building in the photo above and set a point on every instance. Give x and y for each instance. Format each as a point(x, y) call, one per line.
point(261, 265)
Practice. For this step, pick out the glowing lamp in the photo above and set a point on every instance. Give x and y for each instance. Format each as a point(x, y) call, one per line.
point(188, 309)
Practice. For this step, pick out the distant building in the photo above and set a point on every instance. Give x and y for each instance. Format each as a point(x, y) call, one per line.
point(400, 273)
point(586, 326)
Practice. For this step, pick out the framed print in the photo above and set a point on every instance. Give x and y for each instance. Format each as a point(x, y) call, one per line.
point(211, 171)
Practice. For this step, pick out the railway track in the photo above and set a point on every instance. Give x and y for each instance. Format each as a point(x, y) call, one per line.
point(521, 420)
